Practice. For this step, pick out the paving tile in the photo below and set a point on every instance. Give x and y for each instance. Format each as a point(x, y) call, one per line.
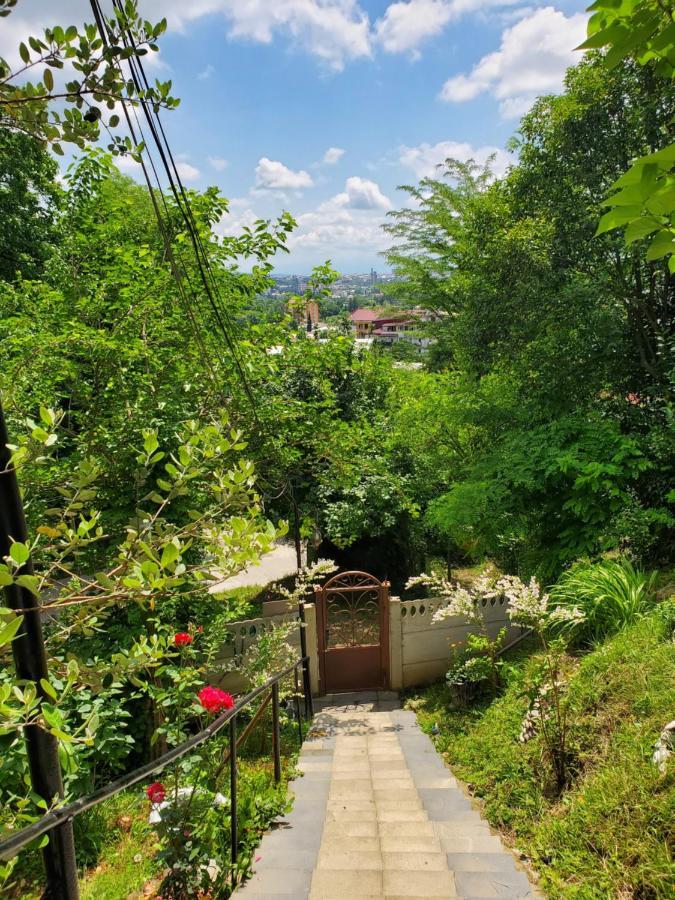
point(406, 883)
point(346, 881)
point(416, 861)
point(351, 859)
point(337, 829)
point(407, 829)
point(337, 804)
point(409, 844)
point(481, 862)
point(401, 815)
point(281, 881)
point(489, 844)
point(435, 781)
point(351, 815)
point(493, 884)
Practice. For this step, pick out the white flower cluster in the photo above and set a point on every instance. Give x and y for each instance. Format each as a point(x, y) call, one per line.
point(540, 710)
point(528, 604)
point(460, 602)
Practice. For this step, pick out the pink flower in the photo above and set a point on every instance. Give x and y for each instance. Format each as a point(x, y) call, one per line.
point(214, 700)
point(182, 638)
point(156, 792)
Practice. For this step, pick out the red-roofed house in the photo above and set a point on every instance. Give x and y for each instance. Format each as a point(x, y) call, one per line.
point(363, 321)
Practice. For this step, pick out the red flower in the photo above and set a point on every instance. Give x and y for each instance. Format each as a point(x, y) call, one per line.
point(200, 629)
point(156, 792)
point(214, 700)
point(182, 638)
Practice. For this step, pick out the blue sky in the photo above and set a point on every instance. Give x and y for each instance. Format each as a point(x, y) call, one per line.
point(323, 107)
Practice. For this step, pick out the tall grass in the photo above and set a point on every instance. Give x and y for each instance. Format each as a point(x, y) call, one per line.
point(612, 594)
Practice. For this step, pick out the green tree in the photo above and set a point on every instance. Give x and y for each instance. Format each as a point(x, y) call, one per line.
point(29, 201)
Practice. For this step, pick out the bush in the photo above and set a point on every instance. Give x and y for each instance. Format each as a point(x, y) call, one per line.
point(611, 594)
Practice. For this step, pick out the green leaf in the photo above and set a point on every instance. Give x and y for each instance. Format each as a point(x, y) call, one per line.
point(19, 553)
point(48, 80)
point(30, 582)
point(616, 217)
point(640, 228)
point(150, 442)
point(663, 243)
point(8, 631)
point(24, 53)
point(48, 689)
point(169, 555)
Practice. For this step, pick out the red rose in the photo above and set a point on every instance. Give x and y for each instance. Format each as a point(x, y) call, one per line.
point(214, 700)
point(182, 638)
point(156, 792)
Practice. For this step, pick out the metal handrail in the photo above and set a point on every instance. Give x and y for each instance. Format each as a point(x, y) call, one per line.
point(12, 845)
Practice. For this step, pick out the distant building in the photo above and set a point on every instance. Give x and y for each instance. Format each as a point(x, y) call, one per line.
point(388, 329)
point(363, 321)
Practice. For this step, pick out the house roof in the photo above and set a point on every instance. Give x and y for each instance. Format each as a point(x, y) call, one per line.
point(363, 315)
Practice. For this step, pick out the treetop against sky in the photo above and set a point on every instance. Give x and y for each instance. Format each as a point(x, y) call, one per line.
point(323, 107)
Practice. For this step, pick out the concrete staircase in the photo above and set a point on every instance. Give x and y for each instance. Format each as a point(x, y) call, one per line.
point(377, 814)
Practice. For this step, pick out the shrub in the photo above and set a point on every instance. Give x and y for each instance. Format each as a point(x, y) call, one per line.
point(612, 595)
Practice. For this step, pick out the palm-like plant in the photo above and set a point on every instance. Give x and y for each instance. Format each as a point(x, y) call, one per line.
point(612, 594)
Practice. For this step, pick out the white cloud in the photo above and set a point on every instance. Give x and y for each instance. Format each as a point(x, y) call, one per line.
point(405, 25)
point(333, 155)
point(129, 166)
point(186, 171)
point(270, 174)
point(334, 30)
point(532, 59)
point(424, 158)
point(361, 193)
point(206, 73)
point(218, 163)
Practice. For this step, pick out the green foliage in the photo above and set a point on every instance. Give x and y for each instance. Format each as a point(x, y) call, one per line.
point(29, 204)
point(620, 697)
point(557, 349)
point(643, 199)
point(88, 100)
point(612, 595)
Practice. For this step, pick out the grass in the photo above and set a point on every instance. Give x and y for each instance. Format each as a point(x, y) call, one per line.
point(611, 834)
point(126, 862)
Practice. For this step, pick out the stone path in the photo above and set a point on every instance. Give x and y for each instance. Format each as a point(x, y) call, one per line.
point(377, 814)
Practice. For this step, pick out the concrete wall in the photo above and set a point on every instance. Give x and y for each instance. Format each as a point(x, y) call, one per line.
point(245, 633)
point(420, 651)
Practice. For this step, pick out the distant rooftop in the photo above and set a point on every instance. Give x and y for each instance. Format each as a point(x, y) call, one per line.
point(364, 315)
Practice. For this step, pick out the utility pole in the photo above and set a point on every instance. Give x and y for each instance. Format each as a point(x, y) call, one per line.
point(30, 662)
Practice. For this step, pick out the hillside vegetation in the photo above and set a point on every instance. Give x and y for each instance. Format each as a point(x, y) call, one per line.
point(610, 834)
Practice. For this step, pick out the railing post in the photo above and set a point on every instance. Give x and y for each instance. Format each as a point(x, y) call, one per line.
point(30, 662)
point(298, 713)
point(233, 791)
point(276, 737)
point(309, 711)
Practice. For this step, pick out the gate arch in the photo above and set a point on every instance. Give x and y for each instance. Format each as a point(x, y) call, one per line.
point(353, 632)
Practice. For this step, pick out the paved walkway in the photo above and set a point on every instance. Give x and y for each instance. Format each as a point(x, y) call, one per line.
point(377, 814)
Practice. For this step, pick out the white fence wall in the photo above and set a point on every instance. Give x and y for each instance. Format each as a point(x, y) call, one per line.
point(245, 633)
point(420, 650)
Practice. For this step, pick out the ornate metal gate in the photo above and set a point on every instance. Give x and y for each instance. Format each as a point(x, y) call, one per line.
point(353, 632)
